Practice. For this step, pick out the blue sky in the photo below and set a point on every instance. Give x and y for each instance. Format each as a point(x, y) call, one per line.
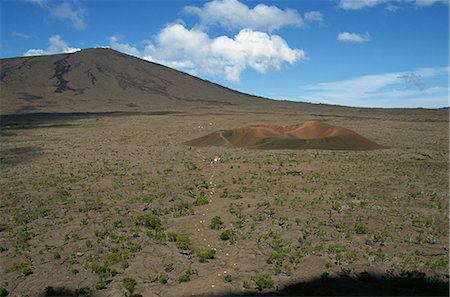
point(370, 53)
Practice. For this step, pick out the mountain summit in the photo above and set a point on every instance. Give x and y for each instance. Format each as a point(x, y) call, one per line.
point(102, 80)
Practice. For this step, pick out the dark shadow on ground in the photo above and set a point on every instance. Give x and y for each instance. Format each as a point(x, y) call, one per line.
point(42, 119)
point(65, 292)
point(14, 156)
point(410, 284)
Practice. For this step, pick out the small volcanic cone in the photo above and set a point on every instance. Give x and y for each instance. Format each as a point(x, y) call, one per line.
point(309, 135)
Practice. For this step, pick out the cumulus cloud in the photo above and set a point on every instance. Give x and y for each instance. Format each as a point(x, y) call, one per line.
point(353, 37)
point(233, 14)
point(362, 4)
point(56, 46)
point(384, 89)
point(72, 12)
point(254, 46)
point(193, 51)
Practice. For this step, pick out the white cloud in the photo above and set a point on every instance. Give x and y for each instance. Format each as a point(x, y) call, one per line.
point(359, 4)
point(424, 3)
point(362, 4)
point(392, 8)
point(313, 17)
point(233, 14)
point(57, 46)
point(123, 47)
point(73, 12)
point(386, 89)
point(195, 52)
point(353, 37)
point(21, 35)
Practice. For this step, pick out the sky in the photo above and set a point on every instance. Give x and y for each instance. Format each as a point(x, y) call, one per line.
point(366, 53)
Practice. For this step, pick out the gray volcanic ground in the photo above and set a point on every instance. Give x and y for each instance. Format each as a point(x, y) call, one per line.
point(123, 177)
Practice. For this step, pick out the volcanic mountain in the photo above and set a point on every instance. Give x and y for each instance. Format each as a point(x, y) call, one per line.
point(308, 135)
point(104, 80)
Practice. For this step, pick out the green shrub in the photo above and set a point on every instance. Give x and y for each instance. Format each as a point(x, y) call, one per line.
point(227, 278)
point(100, 285)
point(185, 276)
point(162, 277)
point(27, 270)
point(228, 234)
point(172, 236)
point(263, 281)
point(183, 242)
point(129, 284)
point(168, 267)
point(245, 284)
point(204, 255)
point(148, 220)
point(361, 229)
point(277, 258)
point(84, 291)
point(183, 208)
point(3, 292)
point(202, 200)
point(157, 235)
point(88, 243)
point(216, 223)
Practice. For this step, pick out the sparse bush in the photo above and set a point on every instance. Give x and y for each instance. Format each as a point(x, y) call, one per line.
point(148, 220)
point(245, 284)
point(172, 236)
point(183, 243)
point(183, 208)
point(202, 200)
point(100, 285)
point(204, 255)
point(227, 278)
point(88, 243)
point(216, 223)
point(3, 292)
point(228, 234)
point(168, 267)
point(162, 277)
point(82, 291)
point(157, 234)
point(361, 229)
point(129, 284)
point(27, 270)
point(263, 281)
point(185, 276)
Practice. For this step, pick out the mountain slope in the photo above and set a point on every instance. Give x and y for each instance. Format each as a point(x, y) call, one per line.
point(100, 80)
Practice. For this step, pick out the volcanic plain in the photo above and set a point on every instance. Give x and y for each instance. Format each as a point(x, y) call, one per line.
point(125, 203)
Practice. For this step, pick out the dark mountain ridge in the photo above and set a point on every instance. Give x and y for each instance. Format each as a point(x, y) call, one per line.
point(101, 80)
